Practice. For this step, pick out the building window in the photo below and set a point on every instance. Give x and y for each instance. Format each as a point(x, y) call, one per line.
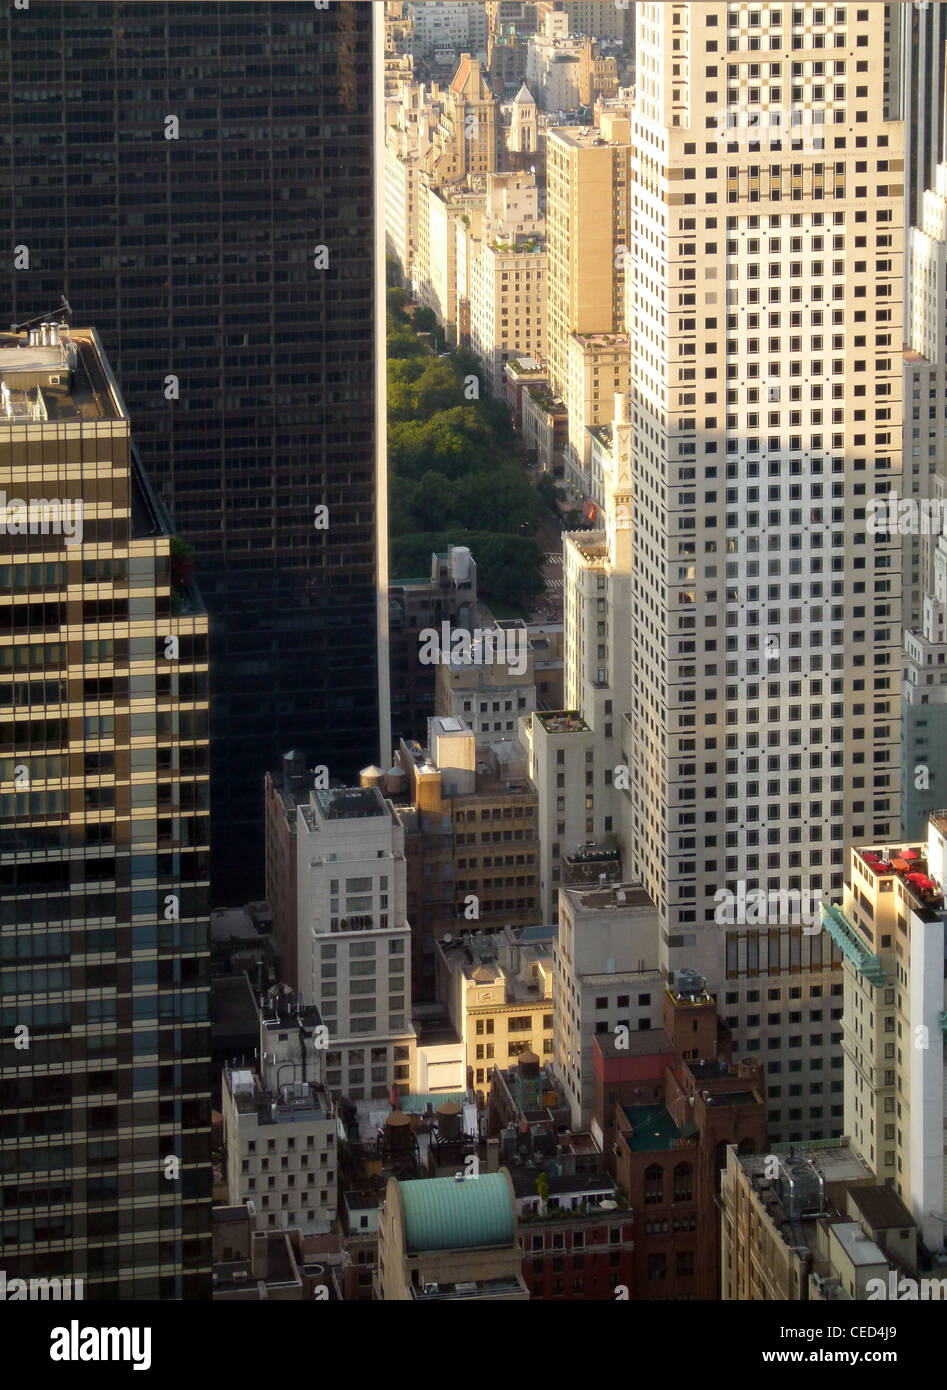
point(653, 1185)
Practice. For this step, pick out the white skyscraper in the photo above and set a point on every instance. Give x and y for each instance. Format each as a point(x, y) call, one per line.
point(760, 648)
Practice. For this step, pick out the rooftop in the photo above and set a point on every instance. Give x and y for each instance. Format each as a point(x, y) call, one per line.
point(299, 1102)
point(606, 340)
point(651, 1042)
point(418, 1104)
point(582, 137)
point(562, 721)
point(651, 1127)
point(351, 803)
point(594, 1185)
point(526, 366)
point(909, 865)
point(881, 1208)
point(444, 1214)
point(478, 956)
point(836, 1158)
point(65, 377)
point(283, 1009)
point(859, 1248)
point(617, 897)
point(543, 397)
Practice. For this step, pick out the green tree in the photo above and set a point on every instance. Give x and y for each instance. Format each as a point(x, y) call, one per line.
point(432, 501)
point(546, 487)
point(436, 390)
point(425, 319)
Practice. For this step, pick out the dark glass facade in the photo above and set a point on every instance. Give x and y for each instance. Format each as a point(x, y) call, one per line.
point(173, 170)
point(918, 43)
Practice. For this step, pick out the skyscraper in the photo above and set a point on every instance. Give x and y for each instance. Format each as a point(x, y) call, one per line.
point(197, 179)
point(104, 845)
point(765, 316)
point(919, 97)
point(749, 627)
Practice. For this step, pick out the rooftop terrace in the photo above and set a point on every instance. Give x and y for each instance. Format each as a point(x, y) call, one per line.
point(651, 1127)
point(562, 721)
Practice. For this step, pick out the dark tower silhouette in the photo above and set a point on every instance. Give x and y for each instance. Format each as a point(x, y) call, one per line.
point(197, 179)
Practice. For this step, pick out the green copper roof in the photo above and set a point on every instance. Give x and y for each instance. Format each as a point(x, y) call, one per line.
point(442, 1214)
point(847, 938)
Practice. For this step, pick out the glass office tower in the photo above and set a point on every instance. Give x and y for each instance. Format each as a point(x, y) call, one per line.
point(197, 179)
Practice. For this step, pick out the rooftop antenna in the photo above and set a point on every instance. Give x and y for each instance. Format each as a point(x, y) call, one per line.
point(65, 308)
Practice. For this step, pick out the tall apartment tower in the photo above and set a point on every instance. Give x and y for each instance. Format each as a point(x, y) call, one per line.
point(211, 211)
point(588, 227)
point(104, 845)
point(764, 313)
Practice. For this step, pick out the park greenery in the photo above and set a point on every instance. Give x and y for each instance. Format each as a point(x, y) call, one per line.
point(456, 471)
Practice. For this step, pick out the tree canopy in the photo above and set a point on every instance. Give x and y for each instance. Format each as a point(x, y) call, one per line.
point(455, 471)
